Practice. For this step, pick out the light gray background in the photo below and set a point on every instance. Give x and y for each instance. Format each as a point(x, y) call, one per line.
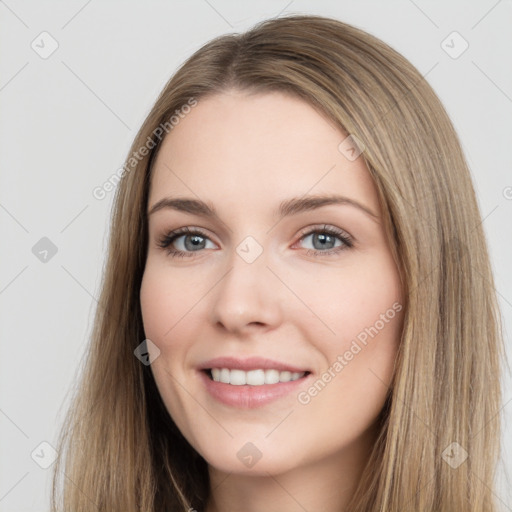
point(66, 125)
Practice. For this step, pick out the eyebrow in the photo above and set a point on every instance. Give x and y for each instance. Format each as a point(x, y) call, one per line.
point(287, 208)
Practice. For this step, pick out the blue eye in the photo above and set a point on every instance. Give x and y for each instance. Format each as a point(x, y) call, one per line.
point(322, 241)
point(185, 241)
point(326, 240)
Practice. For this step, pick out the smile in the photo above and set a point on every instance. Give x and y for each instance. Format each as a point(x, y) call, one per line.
point(247, 383)
point(258, 377)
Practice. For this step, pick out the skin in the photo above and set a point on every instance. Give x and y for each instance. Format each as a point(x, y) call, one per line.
point(245, 154)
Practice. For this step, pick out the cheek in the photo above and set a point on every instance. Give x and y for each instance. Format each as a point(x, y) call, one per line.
point(361, 310)
point(352, 299)
point(163, 309)
point(172, 306)
point(164, 300)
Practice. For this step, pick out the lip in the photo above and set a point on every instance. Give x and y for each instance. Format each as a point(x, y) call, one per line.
point(251, 363)
point(246, 396)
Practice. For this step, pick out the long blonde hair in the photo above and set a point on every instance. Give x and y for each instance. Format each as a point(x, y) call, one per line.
point(120, 450)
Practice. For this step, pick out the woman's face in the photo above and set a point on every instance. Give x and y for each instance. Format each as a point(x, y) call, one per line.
point(280, 270)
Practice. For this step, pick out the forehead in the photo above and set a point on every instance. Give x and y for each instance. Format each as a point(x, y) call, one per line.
point(252, 150)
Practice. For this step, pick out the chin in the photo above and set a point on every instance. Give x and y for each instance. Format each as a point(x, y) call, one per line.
point(250, 458)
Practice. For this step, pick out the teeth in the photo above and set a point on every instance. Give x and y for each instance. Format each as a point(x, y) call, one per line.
point(253, 377)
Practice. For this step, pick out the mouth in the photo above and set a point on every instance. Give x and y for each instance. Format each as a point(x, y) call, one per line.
point(251, 383)
point(257, 377)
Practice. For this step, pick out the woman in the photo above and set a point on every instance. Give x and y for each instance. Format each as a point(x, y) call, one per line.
point(298, 311)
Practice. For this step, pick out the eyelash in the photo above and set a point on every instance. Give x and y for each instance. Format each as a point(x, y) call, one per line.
point(166, 241)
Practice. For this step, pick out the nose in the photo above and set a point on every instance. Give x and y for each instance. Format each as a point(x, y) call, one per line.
point(247, 298)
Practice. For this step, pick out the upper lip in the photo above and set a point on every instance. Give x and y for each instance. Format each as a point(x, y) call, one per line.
point(250, 363)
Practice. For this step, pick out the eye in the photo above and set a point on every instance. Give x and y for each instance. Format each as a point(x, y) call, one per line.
point(326, 240)
point(323, 240)
point(185, 241)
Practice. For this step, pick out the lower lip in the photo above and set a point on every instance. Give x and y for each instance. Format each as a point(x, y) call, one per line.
point(249, 397)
